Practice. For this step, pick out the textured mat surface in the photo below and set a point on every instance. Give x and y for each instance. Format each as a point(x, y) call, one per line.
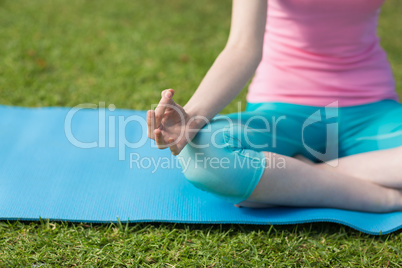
point(77, 165)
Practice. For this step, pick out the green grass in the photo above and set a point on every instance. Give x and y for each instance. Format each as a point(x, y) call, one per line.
point(166, 245)
point(62, 53)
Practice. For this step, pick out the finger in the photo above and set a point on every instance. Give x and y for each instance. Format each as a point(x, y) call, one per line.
point(149, 130)
point(173, 147)
point(160, 143)
point(151, 124)
point(160, 109)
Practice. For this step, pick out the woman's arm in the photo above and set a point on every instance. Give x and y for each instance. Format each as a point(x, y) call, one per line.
point(237, 62)
point(173, 126)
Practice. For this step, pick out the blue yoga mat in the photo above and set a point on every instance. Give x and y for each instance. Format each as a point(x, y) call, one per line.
point(96, 164)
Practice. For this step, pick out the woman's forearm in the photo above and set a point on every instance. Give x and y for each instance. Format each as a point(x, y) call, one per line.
point(224, 81)
point(235, 65)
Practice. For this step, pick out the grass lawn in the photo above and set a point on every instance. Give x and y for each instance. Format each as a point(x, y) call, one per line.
point(62, 53)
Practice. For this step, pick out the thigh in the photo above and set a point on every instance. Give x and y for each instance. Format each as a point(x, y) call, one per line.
point(255, 131)
point(226, 156)
point(371, 127)
point(263, 130)
point(292, 129)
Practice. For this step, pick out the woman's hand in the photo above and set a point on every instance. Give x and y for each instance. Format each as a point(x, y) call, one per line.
point(170, 125)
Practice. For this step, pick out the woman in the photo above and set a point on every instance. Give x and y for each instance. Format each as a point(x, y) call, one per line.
point(322, 103)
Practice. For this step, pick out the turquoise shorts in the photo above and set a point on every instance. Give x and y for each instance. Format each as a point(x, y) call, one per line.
point(225, 158)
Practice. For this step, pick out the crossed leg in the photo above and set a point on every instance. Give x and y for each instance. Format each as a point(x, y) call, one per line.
point(383, 167)
point(361, 181)
point(369, 181)
point(315, 185)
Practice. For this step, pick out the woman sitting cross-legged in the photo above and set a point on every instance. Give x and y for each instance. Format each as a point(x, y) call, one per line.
point(323, 125)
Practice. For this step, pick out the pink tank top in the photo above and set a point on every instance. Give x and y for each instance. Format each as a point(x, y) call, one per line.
point(320, 51)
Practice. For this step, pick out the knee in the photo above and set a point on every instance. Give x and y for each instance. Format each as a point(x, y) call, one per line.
point(201, 161)
point(213, 165)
